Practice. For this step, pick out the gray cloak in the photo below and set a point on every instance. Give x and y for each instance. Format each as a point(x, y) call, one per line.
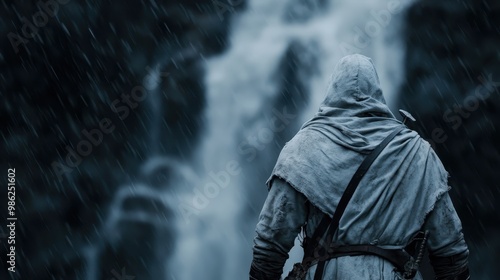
point(403, 184)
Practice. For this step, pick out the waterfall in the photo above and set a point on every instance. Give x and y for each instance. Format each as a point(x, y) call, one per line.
point(214, 235)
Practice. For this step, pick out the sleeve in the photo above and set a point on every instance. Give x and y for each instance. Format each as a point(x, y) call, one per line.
point(282, 217)
point(448, 251)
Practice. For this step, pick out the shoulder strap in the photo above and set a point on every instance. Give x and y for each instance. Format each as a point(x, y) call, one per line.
point(333, 223)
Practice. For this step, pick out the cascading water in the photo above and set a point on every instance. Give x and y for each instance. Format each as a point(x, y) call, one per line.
point(216, 244)
point(277, 48)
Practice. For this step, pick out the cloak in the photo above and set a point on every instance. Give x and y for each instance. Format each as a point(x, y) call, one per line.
point(400, 188)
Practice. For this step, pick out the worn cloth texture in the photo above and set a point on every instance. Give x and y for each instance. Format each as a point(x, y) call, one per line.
point(400, 189)
point(287, 212)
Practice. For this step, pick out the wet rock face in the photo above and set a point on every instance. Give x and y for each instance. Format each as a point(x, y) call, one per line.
point(137, 237)
point(70, 66)
point(452, 88)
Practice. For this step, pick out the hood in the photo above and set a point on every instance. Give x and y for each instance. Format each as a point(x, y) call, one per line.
point(354, 90)
point(354, 110)
point(399, 189)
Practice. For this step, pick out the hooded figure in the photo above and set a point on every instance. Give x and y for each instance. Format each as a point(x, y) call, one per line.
point(402, 193)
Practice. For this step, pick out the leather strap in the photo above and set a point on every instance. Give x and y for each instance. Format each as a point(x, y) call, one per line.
point(398, 257)
point(332, 224)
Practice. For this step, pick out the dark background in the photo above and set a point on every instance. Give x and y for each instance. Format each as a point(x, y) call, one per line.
point(88, 53)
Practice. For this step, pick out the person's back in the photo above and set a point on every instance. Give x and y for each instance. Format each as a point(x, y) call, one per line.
point(403, 192)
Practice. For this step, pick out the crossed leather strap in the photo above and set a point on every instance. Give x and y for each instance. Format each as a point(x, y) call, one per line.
point(314, 253)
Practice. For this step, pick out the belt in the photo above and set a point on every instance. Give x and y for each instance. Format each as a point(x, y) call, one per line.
point(397, 257)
